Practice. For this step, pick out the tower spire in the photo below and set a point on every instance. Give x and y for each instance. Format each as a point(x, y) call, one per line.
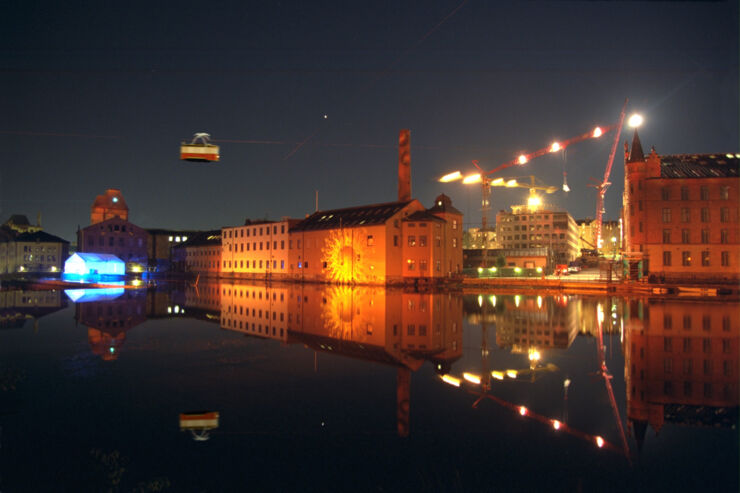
point(636, 154)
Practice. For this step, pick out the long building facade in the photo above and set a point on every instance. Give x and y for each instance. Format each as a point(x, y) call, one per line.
point(681, 215)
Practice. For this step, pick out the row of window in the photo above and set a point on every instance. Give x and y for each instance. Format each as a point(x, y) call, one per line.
point(688, 366)
point(687, 259)
point(667, 193)
point(112, 241)
point(706, 345)
point(686, 236)
point(239, 264)
point(423, 265)
point(253, 231)
point(704, 216)
point(706, 322)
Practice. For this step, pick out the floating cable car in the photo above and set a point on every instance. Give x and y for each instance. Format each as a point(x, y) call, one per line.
point(199, 149)
point(199, 424)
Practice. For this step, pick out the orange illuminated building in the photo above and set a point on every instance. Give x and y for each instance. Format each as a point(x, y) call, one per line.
point(257, 250)
point(681, 364)
point(386, 243)
point(108, 205)
point(681, 214)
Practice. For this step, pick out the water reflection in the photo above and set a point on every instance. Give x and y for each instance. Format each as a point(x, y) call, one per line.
point(18, 306)
point(681, 364)
point(109, 320)
point(389, 327)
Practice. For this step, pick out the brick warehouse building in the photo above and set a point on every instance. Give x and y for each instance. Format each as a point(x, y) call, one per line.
point(681, 215)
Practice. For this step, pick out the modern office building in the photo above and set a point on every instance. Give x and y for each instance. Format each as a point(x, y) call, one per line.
point(681, 215)
point(538, 230)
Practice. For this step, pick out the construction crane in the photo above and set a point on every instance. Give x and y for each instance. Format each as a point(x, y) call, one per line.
point(604, 185)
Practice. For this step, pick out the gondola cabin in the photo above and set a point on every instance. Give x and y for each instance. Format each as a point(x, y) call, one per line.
point(199, 149)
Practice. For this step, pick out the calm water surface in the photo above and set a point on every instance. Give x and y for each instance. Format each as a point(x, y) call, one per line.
point(338, 389)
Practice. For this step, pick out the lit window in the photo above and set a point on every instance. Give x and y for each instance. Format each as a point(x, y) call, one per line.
point(171, 238)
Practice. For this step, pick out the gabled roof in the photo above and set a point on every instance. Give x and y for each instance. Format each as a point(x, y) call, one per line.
point(97, 257)
point(699, 166)
point(366, 215)
point(423, 216)
point(40, 237)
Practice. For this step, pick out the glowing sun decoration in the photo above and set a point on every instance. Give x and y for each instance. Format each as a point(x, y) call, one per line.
point(343, 257)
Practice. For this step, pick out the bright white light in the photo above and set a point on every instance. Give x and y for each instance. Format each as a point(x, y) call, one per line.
point(511, 183)
point(534, 355)
point(498, 375)
point(474, 178)
point(517, 300)
point(497, 182)
point(451, 380)
point(635, 120)
point(539, 302)
point(456, 175)
point(115, 199)
point(493, 300)
point(480, 299)
point(177, 308)
point(555, 147)
point(53, 268)
point(472, 378)
point(597, 132)
point(534, 201)
point(522, 159)
point(522, 410)
point(326, 116)
point(599, 442)
point(511, 373)
point(556, 424)
point(729, 156)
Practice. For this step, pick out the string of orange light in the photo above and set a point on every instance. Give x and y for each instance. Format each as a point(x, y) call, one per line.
point(525, 158)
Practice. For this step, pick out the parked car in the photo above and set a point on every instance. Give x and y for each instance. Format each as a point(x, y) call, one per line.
point(574, 268)
point(561, 270)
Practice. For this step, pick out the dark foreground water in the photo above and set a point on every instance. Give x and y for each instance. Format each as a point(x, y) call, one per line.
point(339, 389)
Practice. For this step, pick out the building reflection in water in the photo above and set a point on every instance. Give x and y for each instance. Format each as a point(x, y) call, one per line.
point(17, 306)
point(108, 321)
point(377, 325)
point(681, 364)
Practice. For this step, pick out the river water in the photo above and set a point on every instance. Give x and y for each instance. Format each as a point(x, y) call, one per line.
point(325, 388)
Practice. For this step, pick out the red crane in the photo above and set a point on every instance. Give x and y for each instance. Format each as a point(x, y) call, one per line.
point(601, 188)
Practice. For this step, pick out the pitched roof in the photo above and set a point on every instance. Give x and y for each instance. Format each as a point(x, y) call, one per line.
point(700, 166)
point(423, 216)
point(365, 215)
point(636, 154)
point(97, 257)
point(40, 237)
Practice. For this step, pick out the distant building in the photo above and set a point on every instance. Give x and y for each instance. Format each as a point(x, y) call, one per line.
point(475, 238)
point(115, 236)
point(20, 224)
point(681, 215)
point(108, 205)
point(160, 244)
point(611, 232)
point(199, 254)
point(36, 252)
point(537, 229)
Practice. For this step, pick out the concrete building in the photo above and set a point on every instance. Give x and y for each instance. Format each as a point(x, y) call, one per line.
point(160, 246)
point(611, 232)
point(681, 215)
point(36, 252)
point(535, 228)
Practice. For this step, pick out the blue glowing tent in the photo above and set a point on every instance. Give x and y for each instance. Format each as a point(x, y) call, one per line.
point(85, 264)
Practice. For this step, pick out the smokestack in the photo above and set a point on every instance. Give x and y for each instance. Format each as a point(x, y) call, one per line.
point(404, 165)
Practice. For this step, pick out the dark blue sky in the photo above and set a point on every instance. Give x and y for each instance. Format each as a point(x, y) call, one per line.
point(493, 79)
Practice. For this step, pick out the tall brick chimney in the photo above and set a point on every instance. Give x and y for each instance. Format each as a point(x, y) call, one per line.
point(404, 165)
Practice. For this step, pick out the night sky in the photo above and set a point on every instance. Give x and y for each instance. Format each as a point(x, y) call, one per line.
point(97, 96)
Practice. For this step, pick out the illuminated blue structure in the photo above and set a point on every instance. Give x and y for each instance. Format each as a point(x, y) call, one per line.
point(94, 265)
point(99, 294)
